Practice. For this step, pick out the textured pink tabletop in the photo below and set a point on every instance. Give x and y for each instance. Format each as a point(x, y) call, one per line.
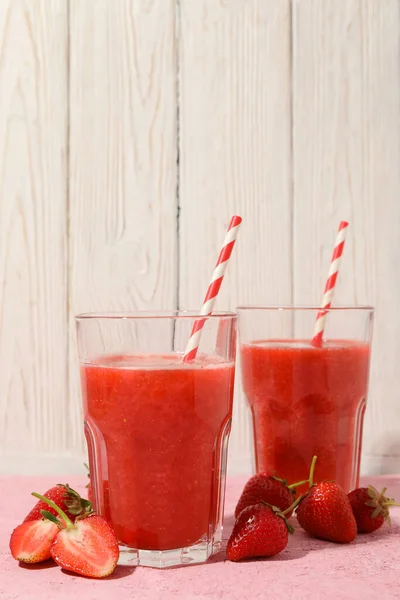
point(367, 568)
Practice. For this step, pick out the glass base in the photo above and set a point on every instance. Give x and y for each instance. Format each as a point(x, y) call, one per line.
point(162, 559)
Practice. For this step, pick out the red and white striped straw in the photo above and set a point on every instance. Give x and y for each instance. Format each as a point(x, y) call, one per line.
point(330, 284)
point(213, 288)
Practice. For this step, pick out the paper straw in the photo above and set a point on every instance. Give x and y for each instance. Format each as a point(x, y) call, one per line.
point(213, 288)
point(330, 284)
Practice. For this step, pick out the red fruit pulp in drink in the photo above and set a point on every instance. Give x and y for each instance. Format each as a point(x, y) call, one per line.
point(305, 401)
point(157, 432)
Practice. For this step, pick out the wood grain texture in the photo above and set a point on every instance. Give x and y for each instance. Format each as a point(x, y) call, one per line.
point(123, 162)
point(33, 256)
point(346, 149)
point(235, 157)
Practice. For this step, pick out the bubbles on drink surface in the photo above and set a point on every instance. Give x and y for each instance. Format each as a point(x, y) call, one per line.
point(157, 362)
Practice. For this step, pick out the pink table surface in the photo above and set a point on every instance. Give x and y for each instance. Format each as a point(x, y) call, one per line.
point(367, 568)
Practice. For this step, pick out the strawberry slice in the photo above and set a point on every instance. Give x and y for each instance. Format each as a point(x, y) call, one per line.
point(66, 498)
point(31, 541)
point(87, 547)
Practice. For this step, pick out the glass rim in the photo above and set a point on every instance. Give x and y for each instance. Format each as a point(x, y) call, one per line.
point(295, 307)
point(154, 314)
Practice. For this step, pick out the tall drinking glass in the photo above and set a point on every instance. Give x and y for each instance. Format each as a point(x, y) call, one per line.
point(157, 430)
point(306, 400)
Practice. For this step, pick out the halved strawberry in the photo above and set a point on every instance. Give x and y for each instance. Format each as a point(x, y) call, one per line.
point(31, 541)
point(66, 498)
point(87, 547)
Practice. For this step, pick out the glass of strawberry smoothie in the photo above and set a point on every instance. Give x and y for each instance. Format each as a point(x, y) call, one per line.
point(157, 430)
point(306, 400)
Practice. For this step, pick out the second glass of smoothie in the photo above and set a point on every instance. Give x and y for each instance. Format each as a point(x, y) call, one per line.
point(306, 400)
point(157, 430)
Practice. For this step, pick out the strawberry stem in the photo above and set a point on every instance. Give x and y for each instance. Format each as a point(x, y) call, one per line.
point(312, 468)
point(297, 484)
point(50, 517)
point(69, 524)
point(293, 506)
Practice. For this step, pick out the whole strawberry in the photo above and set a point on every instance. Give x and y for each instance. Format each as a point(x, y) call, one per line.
point(260, 530)
point(370, 508)
point(268, 489)
point(325, 512)
point(66, 498)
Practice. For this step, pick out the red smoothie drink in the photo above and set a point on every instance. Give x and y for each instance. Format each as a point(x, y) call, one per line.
point(157, 431)
point(305, 401)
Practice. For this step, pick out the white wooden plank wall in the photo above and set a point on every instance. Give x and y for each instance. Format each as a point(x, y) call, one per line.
point(33, 231)
point(122, 203)
point(131, 130)
point(235, 157)
point(346, 151)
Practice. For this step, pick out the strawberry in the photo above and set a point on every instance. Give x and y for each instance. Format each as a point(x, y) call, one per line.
point(325, 512)
point(260, 530)
point(370, 508)
point(64, 497)
point(87, 547)
point(31, 541)
point(269, 489)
